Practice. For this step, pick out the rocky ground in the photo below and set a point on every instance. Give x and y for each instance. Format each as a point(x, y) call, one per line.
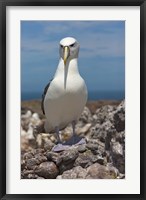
point(102, 124)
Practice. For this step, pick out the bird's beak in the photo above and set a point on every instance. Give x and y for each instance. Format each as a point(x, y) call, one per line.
point(66, 54)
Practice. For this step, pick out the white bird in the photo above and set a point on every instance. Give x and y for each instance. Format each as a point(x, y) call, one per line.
point(65, 96)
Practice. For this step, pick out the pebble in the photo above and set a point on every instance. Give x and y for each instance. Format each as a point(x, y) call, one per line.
point(68, 158)
point(119, 117)
point(74, 173)
point(69, 155)
point(83, 130)
point(27, 155)
point(40, 158)
point(118, 156)
point(55, 157)
point(92, 146)
point(82, 148)
point(31, 163)
point(47, 170)
point(97, 171)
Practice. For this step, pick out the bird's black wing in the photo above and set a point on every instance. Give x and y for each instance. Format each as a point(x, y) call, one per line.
point(43, 96)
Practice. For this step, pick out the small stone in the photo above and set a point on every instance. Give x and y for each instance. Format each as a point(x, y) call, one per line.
point(38, 150)
point(31, 163)
point(86, 159)
point(83, 130)
point(119, 117)
point(69, 155)
point(86, 116)
point(55, 157)
point(118, 156)
point(117, 148)
point(81, 148)
point(40, 158)
point(43, 141)
point(68, 158)
point(97, 171)
point(92, 146)
point(75, 173)
point(27, 156)
point(64, 167)
point(48, 145)
point(120, 137)
point(80, 161)
point(103, 114)
point(47, 170)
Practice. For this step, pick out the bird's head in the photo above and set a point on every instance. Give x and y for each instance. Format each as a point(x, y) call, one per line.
point(69, 49)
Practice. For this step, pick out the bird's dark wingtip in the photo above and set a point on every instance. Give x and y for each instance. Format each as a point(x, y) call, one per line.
point(43, 96)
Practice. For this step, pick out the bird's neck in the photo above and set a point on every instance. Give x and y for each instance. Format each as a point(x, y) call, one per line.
point(71, 68)
point(67, 72)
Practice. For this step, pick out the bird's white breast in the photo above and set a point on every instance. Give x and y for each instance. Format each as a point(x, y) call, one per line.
point(65, 103)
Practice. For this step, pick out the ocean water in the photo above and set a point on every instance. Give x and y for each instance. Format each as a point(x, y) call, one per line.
point(92, 95)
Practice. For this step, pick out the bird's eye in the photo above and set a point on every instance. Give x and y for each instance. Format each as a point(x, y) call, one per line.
point(72, 45)
point(61, 45)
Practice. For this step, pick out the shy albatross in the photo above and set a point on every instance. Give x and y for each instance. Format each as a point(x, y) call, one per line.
point(65, 95)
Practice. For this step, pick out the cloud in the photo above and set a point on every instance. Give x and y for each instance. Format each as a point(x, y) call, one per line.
point(96, 38)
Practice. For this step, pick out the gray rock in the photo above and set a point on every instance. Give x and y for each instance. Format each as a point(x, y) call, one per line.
point(84, 130)
point(118, 156)
point(120, 137)
point(75, 173)
point(86, 116)
point(99, 146)
point(68, 158)
point(100, 131)
point(82, 148)
point(55, 157)
point(101, 157)
point(31, 163)
point(92, 146)
point(111, 133)
point(28, 155)
point(82, 161)
point(38, 150)
point(40, 158)
point(48, 145)
point(103, 114)
point(86, 159)
point(119, 117)
point(47, 170)
point(97, 171)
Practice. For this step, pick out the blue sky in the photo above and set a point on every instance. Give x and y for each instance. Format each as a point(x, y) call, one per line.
point(101, 57)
